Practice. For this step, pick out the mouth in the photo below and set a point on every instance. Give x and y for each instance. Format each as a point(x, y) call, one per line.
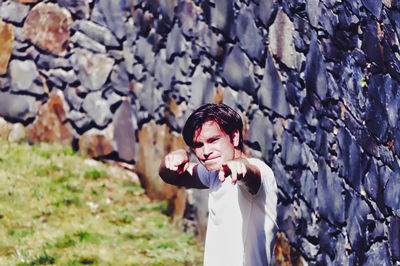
point(210, 160)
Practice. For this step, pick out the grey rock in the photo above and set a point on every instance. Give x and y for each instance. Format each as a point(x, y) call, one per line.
point(17, 107)
point(243, 100)
point(189, 17)
point(371, 44)
point(392, 191)
point(313, 8)
point(113, 98)
point(249, 35)
point(138, 71)
point(201, 87)
point(291, 150)
point(392, 100)
point(378, 254)
point(14, 12)
point(221, 17)
point(330, 199)
point(163, 73)
point(83, 41)
point(282, 177)
point(49, 61)
point(150, 98)
point(111, 14)
point(272, 93)
point(25, 78)
point(375, 7)
point(62, 76)
point(315, 72)
point(260, 136)
point(281, 39)
point(79, 8)
point(308, 248)
point(350, 159)
point(92, 69)
point(128, 55)
point(394, 240)
point(329, 21)
point(308, 188)
point(80, 121)
point(4, 83)
point(209, 40)
point(145, 52)
point(287, 220)
point(94, 102)
point(357, 223)
point(264, 10)
point(386, 155)
point(376, 114)
point(17, 133)
point(72, 97)
point(120, 79)
point(371, 182)
point(237, 71)
point(175, 43)
point(397, 143)
point(124, 132)
point(96, 32)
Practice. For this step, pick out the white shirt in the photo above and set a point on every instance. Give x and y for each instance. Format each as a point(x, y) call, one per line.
point(241, 226)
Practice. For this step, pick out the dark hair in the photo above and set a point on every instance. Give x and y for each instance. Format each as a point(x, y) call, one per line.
point(227, 119)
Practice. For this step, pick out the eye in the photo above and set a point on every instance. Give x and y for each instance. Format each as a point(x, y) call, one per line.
point(197, 145)
point(213, 140)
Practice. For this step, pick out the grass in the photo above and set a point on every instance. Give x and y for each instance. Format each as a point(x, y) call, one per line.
point(59, 208)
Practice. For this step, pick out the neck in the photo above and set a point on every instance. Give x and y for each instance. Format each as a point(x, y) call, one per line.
point(238, 154)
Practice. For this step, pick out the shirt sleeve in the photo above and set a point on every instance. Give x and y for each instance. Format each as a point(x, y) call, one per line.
point(203, 175)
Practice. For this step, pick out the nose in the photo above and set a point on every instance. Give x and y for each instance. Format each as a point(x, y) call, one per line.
point(206, 151)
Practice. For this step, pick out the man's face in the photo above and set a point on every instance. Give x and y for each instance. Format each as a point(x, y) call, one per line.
point(212, 146)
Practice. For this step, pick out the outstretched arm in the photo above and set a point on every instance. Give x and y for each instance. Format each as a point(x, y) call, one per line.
point(175, 169)
point(243, 173)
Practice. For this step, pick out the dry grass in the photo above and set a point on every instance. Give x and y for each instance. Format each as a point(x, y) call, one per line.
point(59, 208)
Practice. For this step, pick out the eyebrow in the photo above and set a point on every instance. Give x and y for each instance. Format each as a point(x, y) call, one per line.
point(197, 144)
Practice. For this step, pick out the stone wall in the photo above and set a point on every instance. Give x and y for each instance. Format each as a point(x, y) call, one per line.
point(316, 82)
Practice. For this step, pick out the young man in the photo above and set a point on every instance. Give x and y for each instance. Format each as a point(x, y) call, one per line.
point(242, 197)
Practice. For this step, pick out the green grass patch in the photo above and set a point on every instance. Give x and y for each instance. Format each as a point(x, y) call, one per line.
point(59, 208)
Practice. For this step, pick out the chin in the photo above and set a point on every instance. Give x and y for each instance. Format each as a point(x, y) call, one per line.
point(212, 167)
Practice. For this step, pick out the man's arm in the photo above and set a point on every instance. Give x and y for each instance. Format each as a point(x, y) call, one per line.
point(175, 169)
point(243, 173)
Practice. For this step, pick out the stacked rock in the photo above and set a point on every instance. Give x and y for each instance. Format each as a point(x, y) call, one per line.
point(316, 82)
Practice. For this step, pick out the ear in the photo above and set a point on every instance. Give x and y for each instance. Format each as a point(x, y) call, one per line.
point(235, 138)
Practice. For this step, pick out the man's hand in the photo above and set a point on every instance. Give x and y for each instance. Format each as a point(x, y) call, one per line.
point(177, 161)
point(175, 169)
point(237, 169)
point(241, 170)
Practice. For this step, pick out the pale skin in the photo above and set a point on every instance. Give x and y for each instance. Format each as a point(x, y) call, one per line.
point(217, 151)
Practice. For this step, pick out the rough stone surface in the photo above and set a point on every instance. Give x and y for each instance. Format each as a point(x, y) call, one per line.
point(25, 78)
point(316, 83)
point(47, 26)
point(92, 68)
point(162, 140)
point(272, 93)
point(97, 143)
point(17, 107)
point(94, 102)
point(12, 11)
point(237, 71)
point(6, 42)
point(49, 124)
point(281, 40)
point(125, 132)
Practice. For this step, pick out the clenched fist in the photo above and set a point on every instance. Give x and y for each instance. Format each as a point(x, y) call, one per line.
point(236, 168)
point(177, 161)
